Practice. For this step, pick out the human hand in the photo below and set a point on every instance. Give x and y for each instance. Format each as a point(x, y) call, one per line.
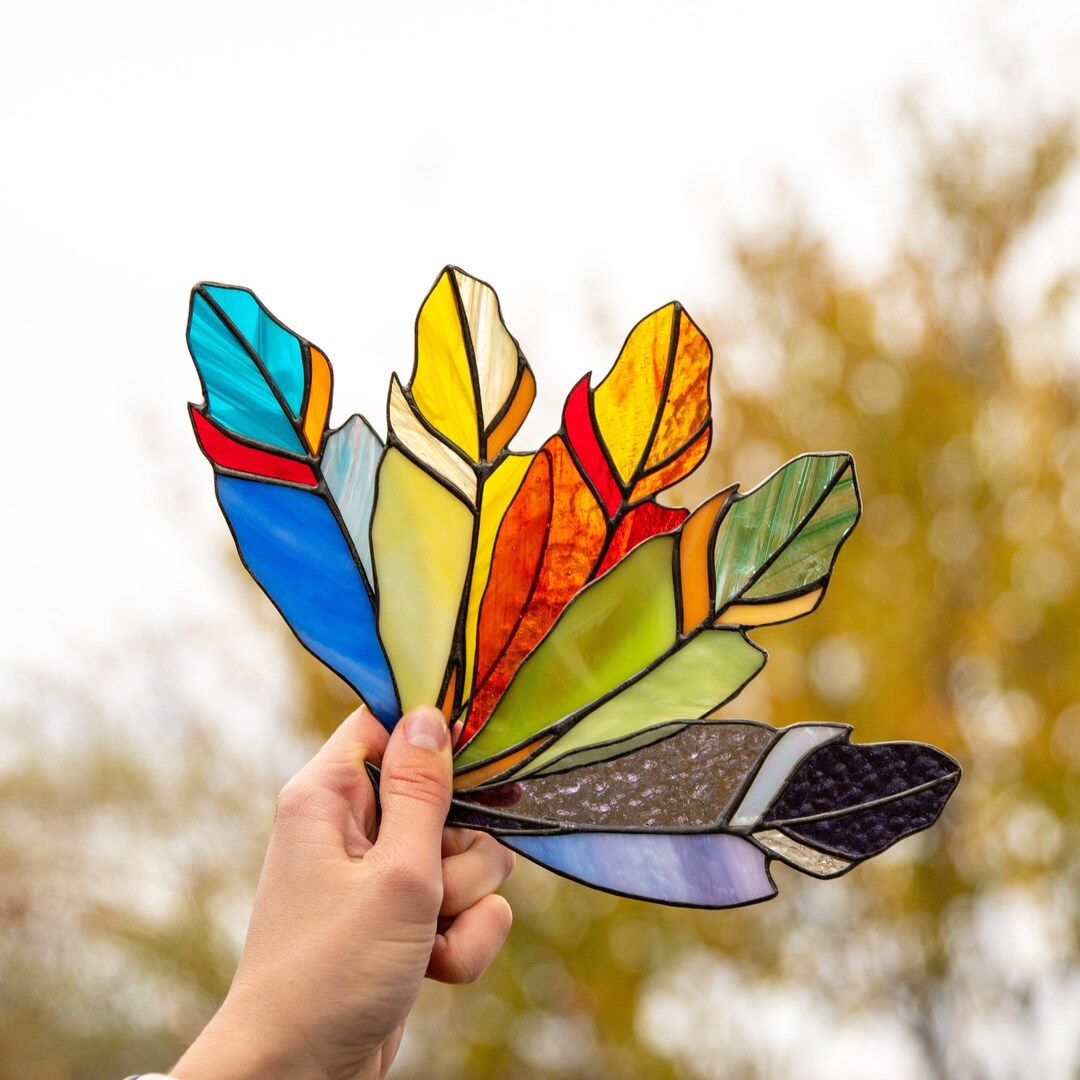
point(350, 914)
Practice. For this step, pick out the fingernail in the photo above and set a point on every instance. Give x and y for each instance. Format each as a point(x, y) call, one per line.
point(427, 728)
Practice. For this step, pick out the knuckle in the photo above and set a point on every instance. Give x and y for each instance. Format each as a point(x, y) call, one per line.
point(499, 858)
point(292, 801)
point(457, 840)
point(458, 970)
point(467, 973)
point(406, 881)
point(509, 860)
point(485, 845)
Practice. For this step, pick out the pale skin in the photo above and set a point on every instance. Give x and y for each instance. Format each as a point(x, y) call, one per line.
point(352, 912)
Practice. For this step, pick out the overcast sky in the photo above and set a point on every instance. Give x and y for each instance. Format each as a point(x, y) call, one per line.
point(333, 156)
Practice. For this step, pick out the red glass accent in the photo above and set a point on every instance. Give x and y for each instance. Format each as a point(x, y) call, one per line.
point(581, 434)
point(225, 451)
point(644, 521)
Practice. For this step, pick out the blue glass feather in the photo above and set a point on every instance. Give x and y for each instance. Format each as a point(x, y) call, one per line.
point(293, 545)
point(693, 869)
point(312, 563)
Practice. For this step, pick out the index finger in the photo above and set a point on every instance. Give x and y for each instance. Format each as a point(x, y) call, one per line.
point(337, 770)
point(358, 729)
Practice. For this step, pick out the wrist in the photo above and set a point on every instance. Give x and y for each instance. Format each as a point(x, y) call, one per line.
point(226, 1048)
point(241, 1042)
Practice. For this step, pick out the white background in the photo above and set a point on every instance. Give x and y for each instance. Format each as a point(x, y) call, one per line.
point(334, 156)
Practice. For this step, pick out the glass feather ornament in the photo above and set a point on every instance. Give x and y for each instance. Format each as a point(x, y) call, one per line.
point(577, 634)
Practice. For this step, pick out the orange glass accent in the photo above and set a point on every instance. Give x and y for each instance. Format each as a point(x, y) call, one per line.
point(674, 471)
point(514, 416)
point(447, 705)
point(318, 404)
point(546, 549)
point(648, 519)
point(694, 558)
point(767, 614)
point(626, 402)
point(497, 765)
point(687, 405)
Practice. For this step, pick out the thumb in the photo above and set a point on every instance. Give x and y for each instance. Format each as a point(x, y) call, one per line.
point(414, 790)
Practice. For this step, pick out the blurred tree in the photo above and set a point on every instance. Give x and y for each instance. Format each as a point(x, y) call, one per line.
point(133, 818)
point(952, 619)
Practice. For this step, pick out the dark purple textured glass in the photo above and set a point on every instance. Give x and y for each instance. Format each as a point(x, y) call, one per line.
point(857, 800)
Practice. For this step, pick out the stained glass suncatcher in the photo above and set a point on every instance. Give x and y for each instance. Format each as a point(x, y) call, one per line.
point(577, 634)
